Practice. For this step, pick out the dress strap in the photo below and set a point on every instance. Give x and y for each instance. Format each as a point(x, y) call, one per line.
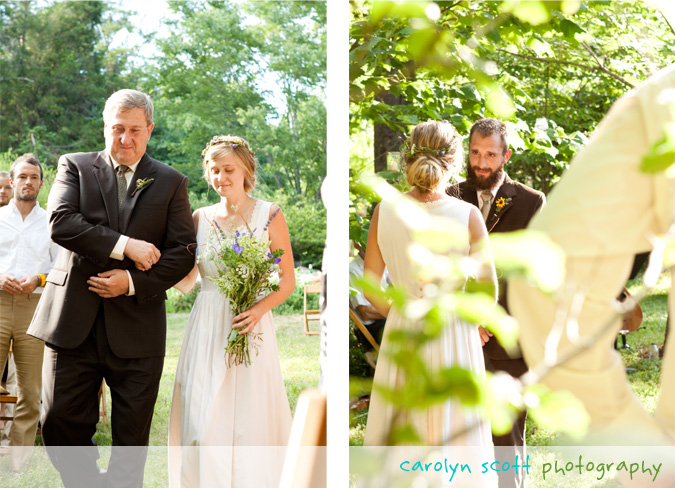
point(262, 215)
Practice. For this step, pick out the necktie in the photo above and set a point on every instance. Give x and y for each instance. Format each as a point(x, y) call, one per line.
point(121, 185)
point(486, 196)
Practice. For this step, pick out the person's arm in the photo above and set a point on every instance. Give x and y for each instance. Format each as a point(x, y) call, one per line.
point(373, 267)
point(368, 312)
point(188, 283)
point(175, 235)
point(279, 239)
point(71, 230)
point(177, 249)
point(480, 251)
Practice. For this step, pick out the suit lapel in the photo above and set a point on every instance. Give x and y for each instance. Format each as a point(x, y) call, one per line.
point(145, 169)
point(105, 176)
point(508, 192)
point(469, 195)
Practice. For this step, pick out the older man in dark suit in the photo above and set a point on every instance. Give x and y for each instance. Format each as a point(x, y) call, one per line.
point(124, 221)
point(506, 206)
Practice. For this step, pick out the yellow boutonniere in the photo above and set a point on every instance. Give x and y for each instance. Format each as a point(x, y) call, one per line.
point(501, 203)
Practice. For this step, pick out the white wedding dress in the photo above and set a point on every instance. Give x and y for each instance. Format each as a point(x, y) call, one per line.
point(458, 345)
point(224, 420)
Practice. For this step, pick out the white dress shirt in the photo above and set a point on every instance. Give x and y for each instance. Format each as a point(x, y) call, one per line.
point(25, 246)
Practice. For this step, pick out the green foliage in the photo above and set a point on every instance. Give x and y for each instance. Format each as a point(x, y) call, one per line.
point(549, 70)
point(55, 76)
point(179, 302)
point(259, 73)
point(215, 84)
point(306, 220)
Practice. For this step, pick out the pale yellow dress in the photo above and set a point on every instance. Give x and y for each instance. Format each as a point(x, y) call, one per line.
point(459, 344)
point(230, 421)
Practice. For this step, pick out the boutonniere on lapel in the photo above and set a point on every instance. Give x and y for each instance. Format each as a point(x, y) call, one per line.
point(142, 183)
point(501, 203)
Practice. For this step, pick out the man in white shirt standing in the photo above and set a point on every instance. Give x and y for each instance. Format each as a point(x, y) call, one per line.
point(27, 254)
point(9, 375)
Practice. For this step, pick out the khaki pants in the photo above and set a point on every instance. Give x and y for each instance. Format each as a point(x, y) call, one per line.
point(16, 313)
point(602, 213)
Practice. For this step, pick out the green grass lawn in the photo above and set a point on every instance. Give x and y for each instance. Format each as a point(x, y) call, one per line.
point(299, 356)
point(644, 379)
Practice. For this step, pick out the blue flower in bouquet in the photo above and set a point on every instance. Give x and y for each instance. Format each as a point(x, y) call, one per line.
point(237, 248)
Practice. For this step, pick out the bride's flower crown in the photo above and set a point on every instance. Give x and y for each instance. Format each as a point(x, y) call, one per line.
point(409, 149)
point(233, 141)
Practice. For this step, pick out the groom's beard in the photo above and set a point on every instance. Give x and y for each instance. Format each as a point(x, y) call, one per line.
point(483, 183)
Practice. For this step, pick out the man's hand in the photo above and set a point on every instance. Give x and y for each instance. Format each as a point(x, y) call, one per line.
point(29, 284)
point(142, 253)
point(484, 335)
point(110, 284)
point(10, 284)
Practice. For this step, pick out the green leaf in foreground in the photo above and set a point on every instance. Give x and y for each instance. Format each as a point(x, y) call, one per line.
point(557, 410)
point(661, 156)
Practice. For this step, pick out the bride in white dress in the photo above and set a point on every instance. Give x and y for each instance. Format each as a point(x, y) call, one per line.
point(227, 419)
point(433, 153)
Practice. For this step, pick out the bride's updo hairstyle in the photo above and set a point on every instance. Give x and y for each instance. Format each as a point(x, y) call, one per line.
point(221, 146)
point(431, 154)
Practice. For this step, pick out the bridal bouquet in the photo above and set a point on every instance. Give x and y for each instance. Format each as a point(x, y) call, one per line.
point(245, 273)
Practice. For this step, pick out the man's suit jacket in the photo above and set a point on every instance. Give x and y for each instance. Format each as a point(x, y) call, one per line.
point(85, 221)
point(521, 204)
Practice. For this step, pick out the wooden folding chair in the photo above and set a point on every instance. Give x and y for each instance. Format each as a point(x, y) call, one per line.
point(305, 462)
point(359, 325)
point(311, 314)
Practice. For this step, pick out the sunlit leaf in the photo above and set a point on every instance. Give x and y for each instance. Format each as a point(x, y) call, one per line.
point(570, 7)
point(559, 411)
point(530, 254)
point(661, 155)
point(442, 235)
point(532, 12)
point(541, 48)
point(485, 287)
point(504, 401)
point(383, 9)
point(404, 435)
point(500, 104)
point(421, 42)
point(480, 309)
point(459, 384)
point(359, 386)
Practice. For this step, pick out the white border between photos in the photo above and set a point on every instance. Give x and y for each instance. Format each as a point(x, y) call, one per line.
point(335, 192)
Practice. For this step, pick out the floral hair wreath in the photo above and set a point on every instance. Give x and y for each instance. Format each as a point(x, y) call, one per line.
point(410, 149)
point(233, 141)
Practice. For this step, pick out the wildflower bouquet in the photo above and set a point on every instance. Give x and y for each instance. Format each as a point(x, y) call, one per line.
point(245, 269)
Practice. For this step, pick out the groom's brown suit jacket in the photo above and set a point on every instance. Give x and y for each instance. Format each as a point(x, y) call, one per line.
point(522, 203)
point(85, 221)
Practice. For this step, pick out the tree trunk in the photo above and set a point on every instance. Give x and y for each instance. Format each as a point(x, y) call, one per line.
point(386, 139)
